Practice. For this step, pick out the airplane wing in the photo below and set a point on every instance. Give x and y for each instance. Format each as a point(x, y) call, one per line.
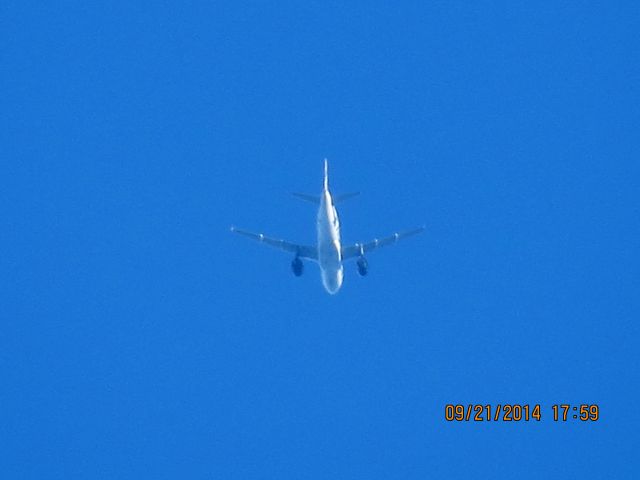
point(357, 249)
point(303, 251)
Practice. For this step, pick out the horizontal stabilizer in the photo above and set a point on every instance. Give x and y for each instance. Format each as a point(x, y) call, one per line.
point(315, 199)
point(345, 196)
point(309, 198)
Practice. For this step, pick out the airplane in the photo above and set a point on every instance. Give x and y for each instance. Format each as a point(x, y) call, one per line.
point(329, 253)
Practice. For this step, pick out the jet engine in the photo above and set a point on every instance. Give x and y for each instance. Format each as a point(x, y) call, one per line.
point(363, 266)
point(297, 266)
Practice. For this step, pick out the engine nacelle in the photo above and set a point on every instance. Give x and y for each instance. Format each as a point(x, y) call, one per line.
point(297, 266)
point(363, 266)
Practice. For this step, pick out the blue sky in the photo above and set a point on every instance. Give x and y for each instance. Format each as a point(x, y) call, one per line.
point(140, 339)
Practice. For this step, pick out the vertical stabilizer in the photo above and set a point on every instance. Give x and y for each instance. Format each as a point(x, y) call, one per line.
point(326, 174)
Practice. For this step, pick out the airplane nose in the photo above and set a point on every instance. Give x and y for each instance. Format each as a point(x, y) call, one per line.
point(332, 283)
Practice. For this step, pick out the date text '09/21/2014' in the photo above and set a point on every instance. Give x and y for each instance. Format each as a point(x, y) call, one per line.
point(518, 412)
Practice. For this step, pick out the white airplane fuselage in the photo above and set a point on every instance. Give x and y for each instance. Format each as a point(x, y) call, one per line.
point(329, 251)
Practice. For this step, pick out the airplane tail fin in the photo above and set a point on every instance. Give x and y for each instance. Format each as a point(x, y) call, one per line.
point(316, 198)
point(326, 174)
